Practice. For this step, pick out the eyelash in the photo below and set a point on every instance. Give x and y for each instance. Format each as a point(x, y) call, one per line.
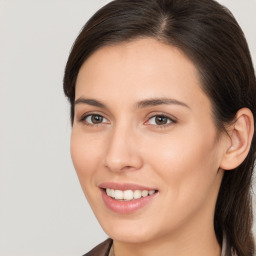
point(85, 116)
point(170, 120)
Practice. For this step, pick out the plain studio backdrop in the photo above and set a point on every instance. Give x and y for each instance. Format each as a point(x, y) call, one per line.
point(42, 208)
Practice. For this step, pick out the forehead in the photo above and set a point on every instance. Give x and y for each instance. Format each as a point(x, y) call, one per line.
point(143, 67)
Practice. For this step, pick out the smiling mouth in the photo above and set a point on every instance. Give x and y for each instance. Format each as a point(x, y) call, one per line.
point(127, 198)
point(128, 195)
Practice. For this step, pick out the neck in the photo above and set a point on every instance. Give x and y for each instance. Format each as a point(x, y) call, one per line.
point(169, 248)
point(193, 242)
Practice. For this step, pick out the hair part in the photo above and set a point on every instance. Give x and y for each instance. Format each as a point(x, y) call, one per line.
point(209, 35)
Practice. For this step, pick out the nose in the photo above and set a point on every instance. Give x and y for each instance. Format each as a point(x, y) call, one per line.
point(123, 151)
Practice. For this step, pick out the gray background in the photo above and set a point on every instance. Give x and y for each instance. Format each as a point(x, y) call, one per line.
point(42, 208)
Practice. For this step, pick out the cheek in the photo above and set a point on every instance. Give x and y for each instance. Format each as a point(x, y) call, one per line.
point(187, 177)
point(187, 164)
point(86, 155)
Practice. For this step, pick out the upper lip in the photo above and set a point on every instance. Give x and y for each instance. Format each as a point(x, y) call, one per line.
point(124, 186)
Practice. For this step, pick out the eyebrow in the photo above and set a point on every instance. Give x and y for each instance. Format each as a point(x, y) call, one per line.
point(91, 102)
point(140, 104)
point(159, 101)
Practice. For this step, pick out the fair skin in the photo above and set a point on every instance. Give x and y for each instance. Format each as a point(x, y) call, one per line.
point(142, 118)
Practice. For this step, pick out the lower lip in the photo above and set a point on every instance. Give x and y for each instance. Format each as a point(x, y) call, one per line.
point(126, 207)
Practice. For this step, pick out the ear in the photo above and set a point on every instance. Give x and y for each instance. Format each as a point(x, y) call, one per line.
point(240, 137)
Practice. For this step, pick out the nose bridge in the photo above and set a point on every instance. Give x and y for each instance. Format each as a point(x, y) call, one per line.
point(121, 151)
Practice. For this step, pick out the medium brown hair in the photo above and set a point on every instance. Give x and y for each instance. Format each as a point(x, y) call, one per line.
point(210, 36)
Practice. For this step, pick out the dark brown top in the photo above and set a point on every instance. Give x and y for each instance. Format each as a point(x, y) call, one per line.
point(101, 249)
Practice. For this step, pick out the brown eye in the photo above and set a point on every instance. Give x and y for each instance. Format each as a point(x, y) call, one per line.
point(95, 119)
point(159, 120)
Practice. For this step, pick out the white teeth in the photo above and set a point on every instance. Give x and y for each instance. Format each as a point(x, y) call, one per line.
point(144, 193)
point(108, 191)
point(151, 192)
point(137, 194)
point(128, 195)
point(119, 195)
point(112, 193)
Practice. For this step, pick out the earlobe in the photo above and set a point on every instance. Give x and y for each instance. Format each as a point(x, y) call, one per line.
point(240, 136)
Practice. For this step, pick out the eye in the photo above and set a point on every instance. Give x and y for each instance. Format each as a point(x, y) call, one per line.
point(94, 119)
point(160, 120)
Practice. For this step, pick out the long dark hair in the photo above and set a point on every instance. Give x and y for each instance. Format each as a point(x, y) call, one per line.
point(210, 36)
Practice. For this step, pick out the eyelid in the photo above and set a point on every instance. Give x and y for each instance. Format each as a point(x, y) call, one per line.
point(87, 114)
point(172, 119)
point(161, 114)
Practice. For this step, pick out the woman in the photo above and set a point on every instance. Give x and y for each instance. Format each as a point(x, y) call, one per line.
point(163, 98)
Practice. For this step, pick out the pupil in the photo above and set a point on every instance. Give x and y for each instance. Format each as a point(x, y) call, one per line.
point(96, 119)
point(161, 120)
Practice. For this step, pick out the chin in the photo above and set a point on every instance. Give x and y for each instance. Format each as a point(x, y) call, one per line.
point(129, 237)
point(128, 231)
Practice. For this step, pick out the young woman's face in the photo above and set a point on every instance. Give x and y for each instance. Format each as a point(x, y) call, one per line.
point(144, 143)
